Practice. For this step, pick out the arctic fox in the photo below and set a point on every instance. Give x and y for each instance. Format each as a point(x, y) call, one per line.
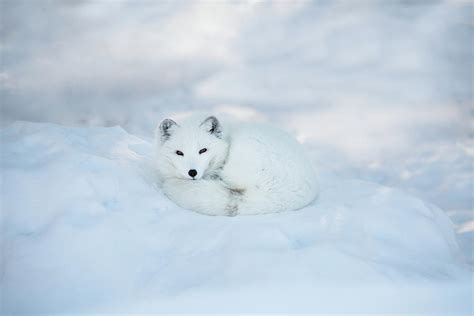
point(229, 169)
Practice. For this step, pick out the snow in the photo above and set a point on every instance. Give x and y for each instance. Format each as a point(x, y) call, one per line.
point(384, 88)
point(85, 228)
point(376, 91)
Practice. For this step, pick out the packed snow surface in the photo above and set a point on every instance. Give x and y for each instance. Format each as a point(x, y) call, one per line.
point(86, 228)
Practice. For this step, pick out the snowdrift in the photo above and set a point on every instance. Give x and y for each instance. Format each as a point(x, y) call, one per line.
point(86, 228)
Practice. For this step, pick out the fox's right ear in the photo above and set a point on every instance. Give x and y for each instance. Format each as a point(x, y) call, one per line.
point(166, 129)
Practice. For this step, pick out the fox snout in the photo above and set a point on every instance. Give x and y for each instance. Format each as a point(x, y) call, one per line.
point(192, 173)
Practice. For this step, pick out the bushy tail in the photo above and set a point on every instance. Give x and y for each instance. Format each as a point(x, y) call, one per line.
point(209, 197)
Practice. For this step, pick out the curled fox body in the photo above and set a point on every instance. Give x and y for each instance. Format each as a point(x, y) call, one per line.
point(217, 168)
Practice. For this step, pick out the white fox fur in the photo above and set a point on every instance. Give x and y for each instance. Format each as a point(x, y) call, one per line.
point(243, 168)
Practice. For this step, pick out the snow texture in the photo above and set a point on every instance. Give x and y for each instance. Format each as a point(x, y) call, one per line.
point(86, 229)
point(382, 90)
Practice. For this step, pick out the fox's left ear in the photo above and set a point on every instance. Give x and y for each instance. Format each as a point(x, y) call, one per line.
point(212, 126)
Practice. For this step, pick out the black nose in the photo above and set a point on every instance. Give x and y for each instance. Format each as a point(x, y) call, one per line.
point(192, 173)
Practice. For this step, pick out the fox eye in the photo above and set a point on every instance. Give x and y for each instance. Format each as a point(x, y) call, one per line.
point(179, 153)
point(202, 151)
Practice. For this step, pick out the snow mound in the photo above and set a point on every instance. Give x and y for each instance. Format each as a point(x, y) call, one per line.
point(85, 228)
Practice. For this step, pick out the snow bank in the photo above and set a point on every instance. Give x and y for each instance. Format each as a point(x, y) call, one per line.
point(384, 88)
point(85, 228)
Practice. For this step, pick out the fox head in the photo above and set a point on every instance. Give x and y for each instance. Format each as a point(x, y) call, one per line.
point(192, 151)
